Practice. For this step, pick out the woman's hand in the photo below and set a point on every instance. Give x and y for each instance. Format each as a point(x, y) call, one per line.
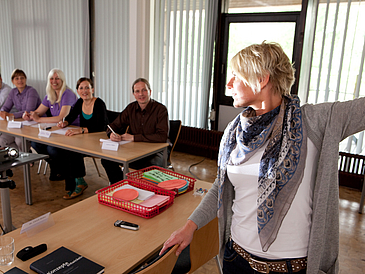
point(74, 131)
point(115, 137)
point(34, 116)
point(182, 237)
point(26, 116)
point(62, 124)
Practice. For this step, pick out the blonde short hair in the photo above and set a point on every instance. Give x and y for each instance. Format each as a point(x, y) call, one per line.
point(256, 61)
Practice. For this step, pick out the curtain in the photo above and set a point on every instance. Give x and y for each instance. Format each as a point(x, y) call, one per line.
point(181, 57)
point(337, 60)
point(39, 35)
point(112, 53)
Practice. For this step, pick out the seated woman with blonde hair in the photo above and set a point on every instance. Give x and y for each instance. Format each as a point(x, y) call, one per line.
point(58, 102)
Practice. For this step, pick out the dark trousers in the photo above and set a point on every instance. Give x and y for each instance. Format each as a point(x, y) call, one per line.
point(74, 168)
point(234, 263)
point(56, 156)
point(115, 173)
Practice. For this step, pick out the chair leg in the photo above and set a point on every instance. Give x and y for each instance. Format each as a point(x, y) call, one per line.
point(39, 166)
point(96, 166)
point(218, 264)
point(45, 168)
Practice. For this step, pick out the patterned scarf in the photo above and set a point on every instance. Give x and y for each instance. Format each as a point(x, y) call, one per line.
point(281, 166)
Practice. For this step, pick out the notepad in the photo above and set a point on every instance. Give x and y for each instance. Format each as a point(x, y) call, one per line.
point(157, 176)
point(156, 200)
point(143, 194)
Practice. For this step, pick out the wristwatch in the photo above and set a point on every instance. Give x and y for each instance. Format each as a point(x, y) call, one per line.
point(82, 130)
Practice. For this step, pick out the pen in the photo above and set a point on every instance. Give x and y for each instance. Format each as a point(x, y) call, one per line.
point(113, 130)
point(48, 128)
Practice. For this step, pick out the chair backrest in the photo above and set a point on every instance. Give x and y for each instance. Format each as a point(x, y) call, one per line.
point(175, 128)
point(205, 245)
point(112, 115)
point(162, 264)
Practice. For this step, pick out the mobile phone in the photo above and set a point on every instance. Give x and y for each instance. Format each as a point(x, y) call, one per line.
point(127, 225)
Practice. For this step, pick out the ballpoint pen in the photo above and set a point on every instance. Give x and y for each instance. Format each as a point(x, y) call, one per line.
point(113, 130)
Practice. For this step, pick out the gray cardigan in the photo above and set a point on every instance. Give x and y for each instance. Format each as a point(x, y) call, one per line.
point(327, 124)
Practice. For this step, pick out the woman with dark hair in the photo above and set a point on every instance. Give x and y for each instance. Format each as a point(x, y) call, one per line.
point(24, 98)
point(93, 118)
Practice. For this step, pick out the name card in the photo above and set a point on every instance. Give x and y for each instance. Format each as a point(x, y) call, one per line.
point(44, 133)
point(110, 146)
point(38, 224)
point(14, 124)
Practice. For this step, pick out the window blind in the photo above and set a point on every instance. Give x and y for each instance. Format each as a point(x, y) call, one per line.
point(336, 71)
point(38, 35)
point(181, 63)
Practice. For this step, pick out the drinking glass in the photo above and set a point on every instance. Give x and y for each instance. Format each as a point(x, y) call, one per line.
point(10, 118)
point(6, 250)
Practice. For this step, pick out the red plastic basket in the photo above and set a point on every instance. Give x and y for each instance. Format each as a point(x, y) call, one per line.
point(136, 209)
point(137, 176)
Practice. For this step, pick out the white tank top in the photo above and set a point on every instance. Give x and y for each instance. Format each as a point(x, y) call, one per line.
point(293, 236)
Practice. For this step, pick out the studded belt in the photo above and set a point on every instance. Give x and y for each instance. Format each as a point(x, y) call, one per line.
point(263, 266)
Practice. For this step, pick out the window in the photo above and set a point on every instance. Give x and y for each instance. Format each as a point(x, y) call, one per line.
point(336, 71)
point(182, 57)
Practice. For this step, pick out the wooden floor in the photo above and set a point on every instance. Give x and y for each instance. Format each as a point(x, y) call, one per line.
point(47, 197)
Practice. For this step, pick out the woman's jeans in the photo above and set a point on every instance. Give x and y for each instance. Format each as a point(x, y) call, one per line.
point(233, 263)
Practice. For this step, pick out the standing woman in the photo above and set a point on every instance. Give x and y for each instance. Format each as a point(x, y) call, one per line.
point(93, 118)
point(24, 98)
point(276, 191)
point(58, 102)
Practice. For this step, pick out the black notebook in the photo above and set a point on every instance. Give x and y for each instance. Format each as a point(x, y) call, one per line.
point(63, 260)
point(15, 270)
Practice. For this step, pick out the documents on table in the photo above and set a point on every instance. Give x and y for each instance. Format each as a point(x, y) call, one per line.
point(29, 123)
point(61, 131)
point(145, 198)
point(166, 181)
point(43, 125)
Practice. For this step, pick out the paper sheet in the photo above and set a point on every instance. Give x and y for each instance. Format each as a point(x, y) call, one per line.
point(143, 194)
point(61, 131)
point(29, 123)
point(108, 140)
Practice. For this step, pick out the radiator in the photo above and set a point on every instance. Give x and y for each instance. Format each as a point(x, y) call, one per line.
point(198, 141)
point(351, 170)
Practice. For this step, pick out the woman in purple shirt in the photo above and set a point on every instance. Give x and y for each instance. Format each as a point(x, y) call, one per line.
point(57, 104)
point(24, 98)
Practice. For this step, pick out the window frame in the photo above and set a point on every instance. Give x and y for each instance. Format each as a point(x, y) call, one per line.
point(221, 51)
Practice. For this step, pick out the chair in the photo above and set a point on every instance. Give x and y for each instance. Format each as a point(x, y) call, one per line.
point(162, 264)
point(174, 132)
point(112, 115)
point(203, 247)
